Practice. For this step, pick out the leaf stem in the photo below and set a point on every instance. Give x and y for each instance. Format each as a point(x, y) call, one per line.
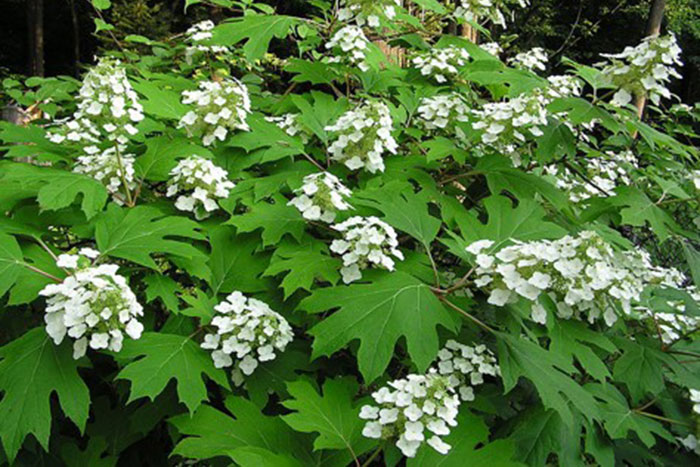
point(477, 321)
point(374, 455)
point(129, 200)
point(659, 417)
point(39, 271)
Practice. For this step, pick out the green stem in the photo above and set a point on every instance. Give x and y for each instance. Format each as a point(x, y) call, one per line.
point(39, 271)
point(373, 456)
point(480, 323)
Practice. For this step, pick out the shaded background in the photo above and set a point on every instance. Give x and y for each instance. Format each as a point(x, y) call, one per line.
point(578, 29)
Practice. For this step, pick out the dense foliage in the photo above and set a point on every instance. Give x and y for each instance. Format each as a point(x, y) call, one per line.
point(385, 244)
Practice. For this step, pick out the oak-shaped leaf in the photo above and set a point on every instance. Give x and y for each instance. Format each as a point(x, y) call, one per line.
point(161, 357)
point(378, 314)
point(32, 368)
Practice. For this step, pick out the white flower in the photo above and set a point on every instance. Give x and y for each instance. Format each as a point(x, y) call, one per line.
point(220, 107)
point(67, 261)
point(644, 70)
point(362, 136)
point(441, 64)
point(583, 275)
point(494, 48)
point(321, 196)
point(248, 333)
point(290, 124)
point(350, 45)
point(199, 184)
point(197, 35)
point(107, 105)
point(533, 59)
point(465, 367)
point(367, 242)
point(476, 10)
point(93, 306)
point(367, 13)
point(602, 175)
point(112, 167)
point(427, 402)
point(441, 112)
point(477, 247)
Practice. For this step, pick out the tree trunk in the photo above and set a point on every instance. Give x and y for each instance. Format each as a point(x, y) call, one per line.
point(470, 33)
point(76, 37)
point(656, 15)
point(35, 29)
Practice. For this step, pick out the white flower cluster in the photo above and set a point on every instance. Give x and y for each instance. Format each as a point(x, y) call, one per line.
point(247, 330)
point(94, 305)
point(441, 64)
point(563, 86)
point(695, 399)
point(221, 106)
point(362, 136)
point(202, 183)
point(442, 111)
point(353, 44)
point(644, 70)
point(465, 367)
point(603, 176)
point(695, 177)
point(475, 10)
point(408, 407)
point(107, 106)
point(690, 442)
point(201, 32)
point(582, 275)
point(508, 123)
point(369, 13)
point(533, 59)
point(321, 196)
point(673, 325)
point(366, 241)
point(109, 166)
point(494, 48)
point(290, 124)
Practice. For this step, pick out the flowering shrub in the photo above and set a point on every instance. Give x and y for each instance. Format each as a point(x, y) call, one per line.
point(467, 259)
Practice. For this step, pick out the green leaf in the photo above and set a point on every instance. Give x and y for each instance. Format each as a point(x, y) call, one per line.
point(235, 263)
point(101, 4)
point(211, 433)
point(640, 368)
point(378, 314)
point(276, 219)
point(505, 223)
point(320, 112)
point(470, 447)
point(102, 25)
point(162, 287)
point(11, 262)
point(160, 101)
point(138, 233)
point(692, 256)
point(162, 154)
point(501, 176)
point(270, 141)
point(253, 456)
point(54, 189)
point(619, 419)
point(305, 263)
point(312, 72)
point(332, 414)
point(31, 370)
point(29, 283)
point(556, 142)
point(519, 357)
point(403, 210)
point(441, 147)
point(166, 357)
point(272, 377)
point(540, 433)
point(258, 30)
point(569, 339)
point(578, 111)
point(638, 209)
